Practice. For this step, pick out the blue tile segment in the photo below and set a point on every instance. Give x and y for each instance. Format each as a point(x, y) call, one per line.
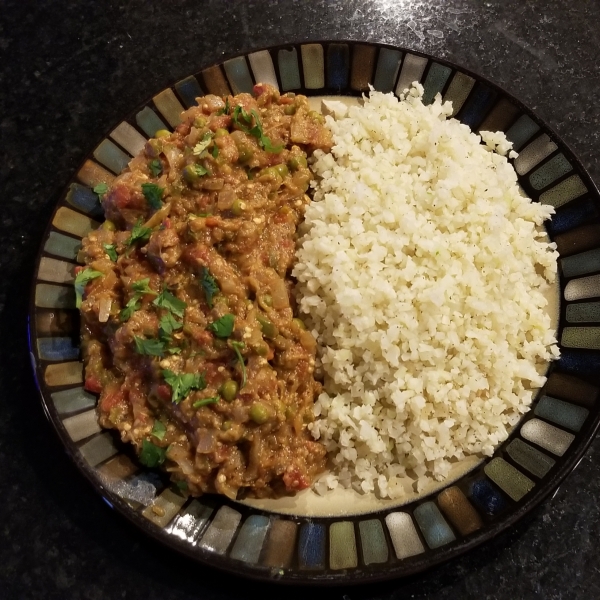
point(57, 348)
point(487, 497)
point(522, 131)
point(434, 527)
point(581, 264)
point(388, 65)
point(572, 216)
point(311, 546)
point(477, 106)
point(562, 413)
point(189, 89)
point(579, 362)
point(85, 199)
point(250, 539)
point(338, 66)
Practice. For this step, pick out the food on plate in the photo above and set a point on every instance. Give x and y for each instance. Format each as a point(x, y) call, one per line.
point(424, 274)
point(188, 327)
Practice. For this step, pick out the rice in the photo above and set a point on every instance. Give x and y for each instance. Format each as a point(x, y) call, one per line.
point(424, 274)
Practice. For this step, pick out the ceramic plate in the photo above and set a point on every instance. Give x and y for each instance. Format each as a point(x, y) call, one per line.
point(362, 542)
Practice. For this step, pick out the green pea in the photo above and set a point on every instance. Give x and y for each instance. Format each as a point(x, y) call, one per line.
point(290, 109)
point(226, 425)
point(199, 122)
point(245, 154)
point(161, 133)
point(109, 226)
point(296, 162)
point(299, 323)
point(316, 116)
point(237, 208)
point(258, 413)
point(261, 348)
point(190, 174)
point(221, 132)
point(269, 330)
point(229, 390)
point(282, 170)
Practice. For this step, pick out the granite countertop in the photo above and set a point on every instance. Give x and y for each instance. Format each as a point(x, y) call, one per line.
point(69, 72)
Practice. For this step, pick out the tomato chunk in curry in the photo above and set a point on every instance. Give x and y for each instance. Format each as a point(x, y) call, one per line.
point(188, 326)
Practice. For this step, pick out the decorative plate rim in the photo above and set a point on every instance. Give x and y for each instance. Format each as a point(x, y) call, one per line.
point(393, 567)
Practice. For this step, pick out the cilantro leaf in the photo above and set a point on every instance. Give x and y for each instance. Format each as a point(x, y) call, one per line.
point(209, 285)
point(111, 250)
point(139, 233)
point(159, 430)
point(183, 384)
point(200, 170)
point(100, 189)
point(222, 327)
point(152, 455)
point(244, 122)
point(225, 109)
point(141, 286)
point(168, 325)
point(129, 309)
point(204, 143)
point(153, 194)
point(205, 401)
point(237, 347)
point(155, 167)
point(215, 151)
point(170, 302)
point(149, 347)
point(81, 280)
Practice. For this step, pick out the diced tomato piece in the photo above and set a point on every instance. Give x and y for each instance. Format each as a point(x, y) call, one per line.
point(213, 221)
point(163, 391)
point(110, 399)
point(92, 384)
point(294, 480)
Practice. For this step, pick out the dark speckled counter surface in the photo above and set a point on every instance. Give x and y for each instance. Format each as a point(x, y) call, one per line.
point(68, 72)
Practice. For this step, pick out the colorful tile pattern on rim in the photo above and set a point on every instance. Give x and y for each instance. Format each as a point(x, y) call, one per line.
point(393, 541)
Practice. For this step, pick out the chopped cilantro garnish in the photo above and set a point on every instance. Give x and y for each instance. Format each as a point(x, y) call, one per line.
point(152, 455)
point(159, 430)
point(100, 189)
point(200, 170)
point(170, 302)
point(155, 167)
point(205, 401)
point(111, 250)
point(203, 144)
point(168, 324)
point(153, 194)
point(149, 347)
point(129, 309)
point(81, 280)
point(142, 286)
point(215, 151)
point(209, 285)
point(225, 109)
point(183, 384)
point(244, 122)
point(222, 327)
point(237, 347)
point(139, 233)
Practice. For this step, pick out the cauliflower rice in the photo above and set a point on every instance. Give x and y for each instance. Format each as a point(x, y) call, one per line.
point(423, 274)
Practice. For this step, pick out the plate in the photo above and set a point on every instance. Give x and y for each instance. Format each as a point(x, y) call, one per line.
point(352, 545)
